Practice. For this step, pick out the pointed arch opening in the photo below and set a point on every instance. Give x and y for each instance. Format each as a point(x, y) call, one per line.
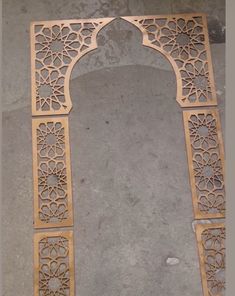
point(131, 193)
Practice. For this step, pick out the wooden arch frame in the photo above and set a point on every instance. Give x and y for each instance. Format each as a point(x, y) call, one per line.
point(190, 59)
point(55, 48)
point(76, 45)
point(156, 28)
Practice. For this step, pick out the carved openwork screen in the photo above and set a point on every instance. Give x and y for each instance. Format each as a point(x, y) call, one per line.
point(52, 173)
point(206, 162)
point(53, 263)
point(211, 244)
point(56, 46)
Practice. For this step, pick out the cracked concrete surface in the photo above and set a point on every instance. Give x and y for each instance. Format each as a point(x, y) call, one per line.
point(132, 200)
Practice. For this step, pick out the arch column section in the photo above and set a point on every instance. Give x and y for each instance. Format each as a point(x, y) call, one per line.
point(183, 39)
point(55, 48)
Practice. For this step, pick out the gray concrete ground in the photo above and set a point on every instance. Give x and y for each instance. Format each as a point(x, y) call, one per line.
point(132, 200)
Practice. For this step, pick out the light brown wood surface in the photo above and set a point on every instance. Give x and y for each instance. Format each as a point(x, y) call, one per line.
point(211, 250)
point(54, 263)
point(52, 172)
point(183, 39)
point(206, 162)
point(56, 46)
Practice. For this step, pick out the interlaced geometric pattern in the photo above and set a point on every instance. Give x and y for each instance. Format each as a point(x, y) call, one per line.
point(52, 173)
point(183, 39)
point(206, 162)
point(54, 270)
point(211, 244)
point(55, 47)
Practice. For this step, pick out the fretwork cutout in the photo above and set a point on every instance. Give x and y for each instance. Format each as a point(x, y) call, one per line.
point(206, 162)
point(55, 48)
point(211, 246)
point(183, 39)
point(52, 173)
point(53, 264)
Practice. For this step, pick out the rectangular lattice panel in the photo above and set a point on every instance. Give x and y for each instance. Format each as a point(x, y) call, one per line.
point(206, 162)
point(53, 264)
point(211, 247)
point(52, 173)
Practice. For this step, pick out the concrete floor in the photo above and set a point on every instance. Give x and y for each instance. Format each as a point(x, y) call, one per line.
point(132, 200)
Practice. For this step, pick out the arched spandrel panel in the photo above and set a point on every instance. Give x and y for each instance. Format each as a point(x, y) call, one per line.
point(55, 47)
point(183, 39)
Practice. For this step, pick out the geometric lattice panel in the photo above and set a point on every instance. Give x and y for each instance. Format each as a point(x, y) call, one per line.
point(206, 162)
point(211, 246)
point(183, 40)
point(55, 48)
point(52, 173)
point(53, 264)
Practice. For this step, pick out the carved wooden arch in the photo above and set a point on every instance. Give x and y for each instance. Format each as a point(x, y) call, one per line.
point(55, 48)
point(183, 40)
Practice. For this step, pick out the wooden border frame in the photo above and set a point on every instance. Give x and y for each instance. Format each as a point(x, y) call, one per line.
point(40, 235)
point(38, 223)
point(199, 230)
